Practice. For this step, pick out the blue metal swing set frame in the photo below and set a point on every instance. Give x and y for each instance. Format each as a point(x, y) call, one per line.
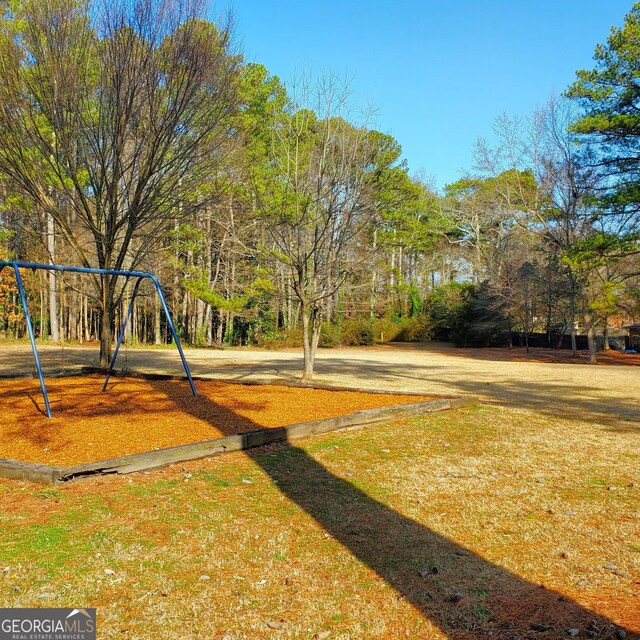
point(139, 275)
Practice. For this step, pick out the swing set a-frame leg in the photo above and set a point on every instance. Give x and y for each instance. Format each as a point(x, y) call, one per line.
point(32, 337)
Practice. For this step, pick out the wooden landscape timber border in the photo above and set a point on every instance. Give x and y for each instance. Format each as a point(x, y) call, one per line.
point(147, 460)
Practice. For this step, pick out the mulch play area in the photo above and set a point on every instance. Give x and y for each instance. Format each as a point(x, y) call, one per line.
point(137, 415)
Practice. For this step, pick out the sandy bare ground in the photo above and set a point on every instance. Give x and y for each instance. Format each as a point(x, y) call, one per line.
point(607, 395)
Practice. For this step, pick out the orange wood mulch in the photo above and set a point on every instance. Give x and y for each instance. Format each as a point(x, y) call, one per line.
point(140, 415)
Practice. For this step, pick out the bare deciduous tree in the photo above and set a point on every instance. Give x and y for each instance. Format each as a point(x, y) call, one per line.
point(111, 116)
point(563, 211)
point(314, 196)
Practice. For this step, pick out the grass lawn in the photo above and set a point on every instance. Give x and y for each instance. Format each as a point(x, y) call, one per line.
point(481, 522)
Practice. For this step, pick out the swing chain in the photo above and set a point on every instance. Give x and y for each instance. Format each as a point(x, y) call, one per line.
point(125, 366)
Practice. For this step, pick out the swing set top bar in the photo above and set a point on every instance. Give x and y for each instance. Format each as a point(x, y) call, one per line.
point(58, 267)
point(16, 265)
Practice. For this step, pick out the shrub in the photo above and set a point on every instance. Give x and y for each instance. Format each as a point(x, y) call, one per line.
point(390, 329)
point(330, 335)
point(464, 314)
point(280, 339)
point(416, 329)
point(447, 307)
point(357, 332)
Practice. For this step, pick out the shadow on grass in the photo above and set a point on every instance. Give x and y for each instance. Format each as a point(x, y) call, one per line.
point(457, 590)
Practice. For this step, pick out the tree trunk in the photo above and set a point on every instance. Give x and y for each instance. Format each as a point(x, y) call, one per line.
point(209, 326)
point(43, 308)
point(374, 277)
point(53, 293)
point(289, 323)
point(219, 328)
point(107, 309)
point(200, 331)
point(572, 318)
point(574, 344)
point(208, 337)
point(87, 326)
point(124, 306)
point(402, 296)
point(229, 321)
point(605, 334)
point(311, 326)
point(157, 338)
point(185, 317)
point(73, 310)
point(309, 355)
point(63, 311)
point(392, 272)
point(105, 338)
point(591, 334)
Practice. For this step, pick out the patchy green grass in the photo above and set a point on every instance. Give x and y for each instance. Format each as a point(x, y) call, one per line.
point(439, 527)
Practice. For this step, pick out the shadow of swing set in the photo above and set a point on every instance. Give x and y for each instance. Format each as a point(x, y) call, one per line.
point(139, 277)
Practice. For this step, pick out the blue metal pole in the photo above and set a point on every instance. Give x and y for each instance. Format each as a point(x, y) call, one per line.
point(32, 338)
point(175, 334)
point(121, 336)
point(57, 267)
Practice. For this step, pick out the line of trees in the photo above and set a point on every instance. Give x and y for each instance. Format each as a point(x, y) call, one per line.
point(133, 135)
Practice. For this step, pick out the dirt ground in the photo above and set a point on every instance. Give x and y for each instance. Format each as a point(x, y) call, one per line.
point(605, 358)
point(609, 394)
point(481, 522)
point(137, 415)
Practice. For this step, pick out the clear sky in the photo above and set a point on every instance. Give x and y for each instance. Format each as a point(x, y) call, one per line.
point(438, 71)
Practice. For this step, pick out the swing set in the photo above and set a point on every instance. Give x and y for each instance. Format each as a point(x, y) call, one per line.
point(138, 275)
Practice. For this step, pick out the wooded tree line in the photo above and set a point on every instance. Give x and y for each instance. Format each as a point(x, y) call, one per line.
point(133, 135)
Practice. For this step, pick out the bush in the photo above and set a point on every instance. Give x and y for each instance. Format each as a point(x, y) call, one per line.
point(330, 335)
point(447, 308)
point(357, 332)
point(482, 324)
point(464, 314)
point(390, 329)
point(280, 339)
point(353, 332)
point(415, 329)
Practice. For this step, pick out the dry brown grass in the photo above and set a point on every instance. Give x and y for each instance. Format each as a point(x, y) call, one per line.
point(341, 534)
point(362, 534)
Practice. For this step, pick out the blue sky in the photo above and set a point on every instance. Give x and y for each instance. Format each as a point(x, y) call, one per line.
point(438, 72)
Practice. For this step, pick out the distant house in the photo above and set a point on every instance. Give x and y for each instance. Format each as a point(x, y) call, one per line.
point(634, 335)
